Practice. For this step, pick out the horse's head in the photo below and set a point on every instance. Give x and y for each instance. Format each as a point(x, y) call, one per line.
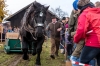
point(38, 18)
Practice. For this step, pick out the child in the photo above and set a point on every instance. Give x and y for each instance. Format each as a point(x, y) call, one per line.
point(68, 43)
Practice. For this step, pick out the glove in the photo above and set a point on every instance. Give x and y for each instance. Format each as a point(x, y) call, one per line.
point(69, 37)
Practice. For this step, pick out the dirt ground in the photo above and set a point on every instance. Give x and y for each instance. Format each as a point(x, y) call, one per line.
point(15, 59)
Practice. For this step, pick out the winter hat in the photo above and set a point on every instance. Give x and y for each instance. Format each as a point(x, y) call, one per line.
point(64, 18)
point(83, 2)
point(75, 4)
point(53, 17)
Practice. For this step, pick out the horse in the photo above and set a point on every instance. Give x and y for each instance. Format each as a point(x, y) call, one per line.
point(32, 30)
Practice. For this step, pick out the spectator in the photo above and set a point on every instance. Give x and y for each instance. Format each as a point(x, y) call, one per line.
point(55, 28)
point(62, 33)
point(4, 32)
point(97, 4)
point(67, 42)
point(72, 30)
point(88, 23)
point(10, 29)
point(16, 29)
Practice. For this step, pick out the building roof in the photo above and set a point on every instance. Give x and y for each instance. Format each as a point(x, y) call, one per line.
point(26, 8)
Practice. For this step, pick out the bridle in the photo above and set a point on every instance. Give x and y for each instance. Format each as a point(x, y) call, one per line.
point(31, 29)
point(40, 24)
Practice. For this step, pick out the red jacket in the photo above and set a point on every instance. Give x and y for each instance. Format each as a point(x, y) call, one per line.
point(89, 27)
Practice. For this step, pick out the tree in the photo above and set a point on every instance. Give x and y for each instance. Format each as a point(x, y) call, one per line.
point(59, 12)
point(3, 11)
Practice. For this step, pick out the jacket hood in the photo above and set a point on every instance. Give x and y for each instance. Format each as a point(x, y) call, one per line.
point(93, 10)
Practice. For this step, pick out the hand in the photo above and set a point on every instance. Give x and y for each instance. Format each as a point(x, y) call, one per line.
point(73, 33)
point(59, 29)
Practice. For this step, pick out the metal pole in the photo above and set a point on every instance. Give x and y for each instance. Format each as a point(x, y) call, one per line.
point(65, 51)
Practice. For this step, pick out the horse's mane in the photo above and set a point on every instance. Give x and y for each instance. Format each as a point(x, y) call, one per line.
point(30, 10)
point(28, 22)
point(26, 18)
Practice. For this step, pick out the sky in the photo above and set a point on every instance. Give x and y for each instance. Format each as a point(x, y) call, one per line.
point(65, 5)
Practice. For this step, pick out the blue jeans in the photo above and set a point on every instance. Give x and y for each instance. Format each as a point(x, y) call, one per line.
point(89, 53)
point(77, 59)
point(93, 62)
point(73, 58)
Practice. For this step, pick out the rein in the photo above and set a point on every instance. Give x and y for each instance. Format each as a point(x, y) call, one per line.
point(30, 30)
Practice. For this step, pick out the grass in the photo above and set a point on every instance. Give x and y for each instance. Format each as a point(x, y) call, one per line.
point(45, 59)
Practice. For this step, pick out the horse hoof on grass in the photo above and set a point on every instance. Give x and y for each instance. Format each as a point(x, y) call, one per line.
point(25, 57)
point(33, 54)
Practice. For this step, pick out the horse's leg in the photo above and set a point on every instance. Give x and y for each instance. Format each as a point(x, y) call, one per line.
point(30, 47)
point(34, 48)
point(39, 49)
point(25, 50)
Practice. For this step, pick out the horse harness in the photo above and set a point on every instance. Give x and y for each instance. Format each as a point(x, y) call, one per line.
point(32, 30)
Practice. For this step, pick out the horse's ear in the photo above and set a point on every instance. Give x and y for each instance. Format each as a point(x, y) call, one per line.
point(34, 4)
point(47, 7)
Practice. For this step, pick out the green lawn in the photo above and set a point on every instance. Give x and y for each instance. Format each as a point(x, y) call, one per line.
point(13, 59)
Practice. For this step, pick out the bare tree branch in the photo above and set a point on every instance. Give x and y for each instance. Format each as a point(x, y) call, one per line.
point(59, 12)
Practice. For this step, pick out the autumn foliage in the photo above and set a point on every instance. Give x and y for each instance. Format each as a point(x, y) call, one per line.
point(3, 10)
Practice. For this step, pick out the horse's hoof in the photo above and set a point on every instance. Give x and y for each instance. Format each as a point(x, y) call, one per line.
point(37, 65)
point(25, 57)
point(52, 56)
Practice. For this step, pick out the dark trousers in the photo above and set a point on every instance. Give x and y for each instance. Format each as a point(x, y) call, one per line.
point(88, 53)
point(62, 41)
point(69, 49)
